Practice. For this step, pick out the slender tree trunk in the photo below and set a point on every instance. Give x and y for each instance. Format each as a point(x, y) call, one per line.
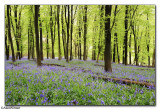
point(21, 48)
point(71, 56)
point(100, 33)
point(118, 57)
point(37, 35)
point(67, 49)
point(148, 41)
point(41, 42)
point(130, 60)
point(9, 33)
point(79, 27)
point(33, 53)
point(59, 43)
point(126, 35)
point(16, 33)
point(135, 47)
point(114, 48)
point(107, 52)
point(94, 46)
point(51, 26)
point(153, 60)
point(19, 34)
point(85, 33)
point(63, 34)
point(6, 45)
point(47, 43)
point(28, 44)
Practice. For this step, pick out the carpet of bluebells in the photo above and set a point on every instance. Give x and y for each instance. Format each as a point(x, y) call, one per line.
point(72, 84)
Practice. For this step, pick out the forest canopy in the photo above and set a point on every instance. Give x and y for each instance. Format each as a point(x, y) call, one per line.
point(79, 31)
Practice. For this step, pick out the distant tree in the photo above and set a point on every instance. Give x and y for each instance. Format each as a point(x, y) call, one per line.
point(126, 35)
point(58, 27)
point(100, 33)
point(41, 41)
point(130, 57)
point(28, 43)
point(79, 30)
point(68, 27)
point(63, 32)
point(148, 41)
point(94, 41)
point(51, 30)
point(47, 44)
point(85, 33)
point(153, 61)
point(71, 33)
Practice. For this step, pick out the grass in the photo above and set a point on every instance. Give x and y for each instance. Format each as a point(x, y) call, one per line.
point(25, 84)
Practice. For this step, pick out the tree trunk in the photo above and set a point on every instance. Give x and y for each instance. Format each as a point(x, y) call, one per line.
point(100, 33)
point(135, 48)
point(37, 35)
point(117, 50)
point(114, 48)
point(33, 53)
point(59, 43)
point(63, 34)
point(94, 45)
point(130, 60)
point(51, 26)
point(41, 42)
point(85, 33)
point(107, 52)
point(9, 33)
point(148, 39)
point(15, 31)
point(6, 45)
point(47, 43)
point(126, 35)
point(28, 44)
point(153, 60)
point(71, 56)
point(79, 27)
point(67, 49)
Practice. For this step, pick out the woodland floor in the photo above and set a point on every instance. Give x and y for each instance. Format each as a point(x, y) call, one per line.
point(75, 83)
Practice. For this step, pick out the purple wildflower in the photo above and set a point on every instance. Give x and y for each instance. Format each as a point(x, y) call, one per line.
point(118, 101)
point(102, 102)
point(29, 80)
point(89, 101)
point(41, 95)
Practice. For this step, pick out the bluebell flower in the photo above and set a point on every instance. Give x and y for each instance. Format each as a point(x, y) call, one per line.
point(89, 101)
point(41, 95)
point(142, 92)
point(102, 102)
point(118, 101)
point(68, 103)
point(44, 101)
point(29, 80)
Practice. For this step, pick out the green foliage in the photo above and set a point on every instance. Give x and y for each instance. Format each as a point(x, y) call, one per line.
point(138, 17)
